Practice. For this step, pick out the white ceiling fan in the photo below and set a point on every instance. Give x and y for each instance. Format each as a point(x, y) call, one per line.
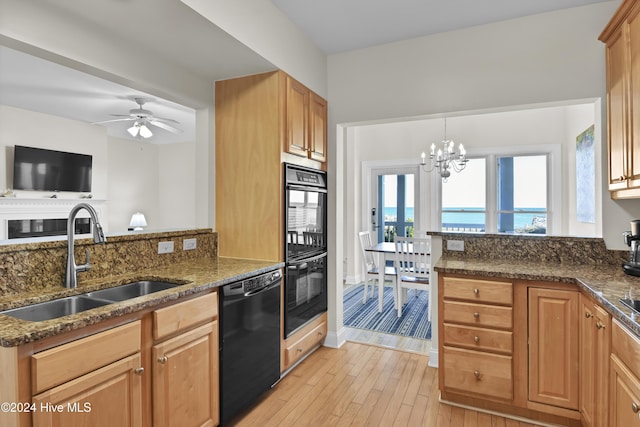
point(141, 118)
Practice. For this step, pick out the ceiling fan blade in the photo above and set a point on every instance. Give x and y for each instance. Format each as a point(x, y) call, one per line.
point(115, 120)
point(165, 120)
point(164, 126)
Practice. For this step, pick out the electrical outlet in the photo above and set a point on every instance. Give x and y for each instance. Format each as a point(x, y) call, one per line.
point(189, 244)
point(455, 245)
point(165, 247)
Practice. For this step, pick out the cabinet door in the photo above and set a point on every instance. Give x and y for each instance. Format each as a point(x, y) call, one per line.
point(185, 379)
point(110, 396)
point(625, 396)
point(602, 352)
point(616, 112)
point(588, 337)
point(297, 140)
point(553, 347)
point(633, 109)
point(318, 128)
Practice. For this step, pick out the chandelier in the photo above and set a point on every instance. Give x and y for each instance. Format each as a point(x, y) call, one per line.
point(446, 158)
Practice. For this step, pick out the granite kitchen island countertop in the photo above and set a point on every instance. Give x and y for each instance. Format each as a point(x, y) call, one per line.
point(606, 283)
point(195, 275)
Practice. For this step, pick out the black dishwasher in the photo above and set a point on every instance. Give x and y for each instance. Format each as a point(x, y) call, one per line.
point(250, 345)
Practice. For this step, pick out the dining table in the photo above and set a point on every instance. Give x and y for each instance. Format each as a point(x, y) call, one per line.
point(386, 251)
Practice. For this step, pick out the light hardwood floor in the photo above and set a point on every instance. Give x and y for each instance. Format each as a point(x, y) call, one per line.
point(362, 385)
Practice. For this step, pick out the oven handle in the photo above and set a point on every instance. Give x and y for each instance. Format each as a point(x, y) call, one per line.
point(303, 188)
point(303, 261)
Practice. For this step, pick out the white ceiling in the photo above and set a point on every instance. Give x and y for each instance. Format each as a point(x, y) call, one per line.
point(178, 33)
point(341, 25)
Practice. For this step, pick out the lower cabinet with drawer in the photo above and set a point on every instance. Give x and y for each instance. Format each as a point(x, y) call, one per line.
point(298, 345)
point(477, 325)
point(95, 381)
point(152, 368)
point(624, 398)
point(510, 346)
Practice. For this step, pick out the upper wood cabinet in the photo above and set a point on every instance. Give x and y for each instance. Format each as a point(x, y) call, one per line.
point(262, 121)
point(306, 122)
point(622, 39)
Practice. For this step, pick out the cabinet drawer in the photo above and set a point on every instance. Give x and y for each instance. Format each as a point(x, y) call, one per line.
point(483, 291)
point(478, 314)
point(478, 338)
point(66, 362)
point(298, 349)
point(626, 346)
point(182, 315)
point(468, 371)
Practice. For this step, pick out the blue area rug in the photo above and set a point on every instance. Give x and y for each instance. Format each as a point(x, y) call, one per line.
point(414, 322)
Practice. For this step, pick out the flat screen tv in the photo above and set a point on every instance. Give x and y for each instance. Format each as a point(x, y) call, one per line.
point(49, 170)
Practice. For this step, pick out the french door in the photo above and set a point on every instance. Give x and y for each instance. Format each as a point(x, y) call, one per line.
point(394, 202)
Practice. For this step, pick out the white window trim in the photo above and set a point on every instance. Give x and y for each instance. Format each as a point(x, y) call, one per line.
point(554, 184)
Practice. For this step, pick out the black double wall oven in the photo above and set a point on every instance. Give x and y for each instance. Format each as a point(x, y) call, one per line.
point(305, 285)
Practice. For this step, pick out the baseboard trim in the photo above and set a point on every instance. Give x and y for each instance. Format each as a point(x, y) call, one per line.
point(335, 339)
point(433, 357)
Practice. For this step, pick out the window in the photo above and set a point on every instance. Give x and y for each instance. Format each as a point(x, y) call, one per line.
point(515, 195)
point(464, 199)
point(522, 194)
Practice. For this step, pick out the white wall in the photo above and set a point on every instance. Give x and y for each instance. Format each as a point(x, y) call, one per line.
point(547, 58)
point(132, 176)
point(21, 127)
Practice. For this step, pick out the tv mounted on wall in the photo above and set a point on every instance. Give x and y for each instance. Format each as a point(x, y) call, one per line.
point(49, 170)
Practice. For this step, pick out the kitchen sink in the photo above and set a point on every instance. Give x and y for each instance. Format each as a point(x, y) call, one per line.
point(75, 304)
point(55, 308)
point(132, 290)
point(633, 304)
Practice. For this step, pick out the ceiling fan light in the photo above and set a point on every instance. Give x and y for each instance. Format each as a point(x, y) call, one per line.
point(133, 130)
point(145, 132)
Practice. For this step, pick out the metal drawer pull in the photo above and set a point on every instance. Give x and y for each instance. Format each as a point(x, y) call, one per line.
point(163, 359)
point(587, 314)
point(476, 291)
point(599, 325)
point(299, 349)
point(476, 339)
point(476, 315)
point(138, 371)
point(635, 408)
point(476, 374)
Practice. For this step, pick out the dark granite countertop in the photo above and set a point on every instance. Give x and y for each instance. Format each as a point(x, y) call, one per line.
point(197, 275)
point(606, 283)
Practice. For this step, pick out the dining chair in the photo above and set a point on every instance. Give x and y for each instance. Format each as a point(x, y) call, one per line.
point(372, 273)
point(413, 265)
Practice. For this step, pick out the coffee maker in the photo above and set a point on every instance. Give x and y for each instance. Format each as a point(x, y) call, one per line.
point(632, 239)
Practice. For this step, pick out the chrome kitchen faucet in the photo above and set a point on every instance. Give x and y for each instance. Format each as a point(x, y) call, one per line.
point(71, 276)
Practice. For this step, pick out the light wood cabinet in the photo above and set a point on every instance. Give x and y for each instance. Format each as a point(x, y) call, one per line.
point(306, 122)
point(94, 381)
point(298, 345)
point(109, 396)
point(155, 367)
point(185, 379)
point(262, 121)
point(553, 347)
point(624, 397)
point(185, 366)
point(622, 39)
point(595, 346)
point(476, 357)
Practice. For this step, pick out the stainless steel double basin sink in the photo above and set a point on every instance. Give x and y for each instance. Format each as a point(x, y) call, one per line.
point(78, 303)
